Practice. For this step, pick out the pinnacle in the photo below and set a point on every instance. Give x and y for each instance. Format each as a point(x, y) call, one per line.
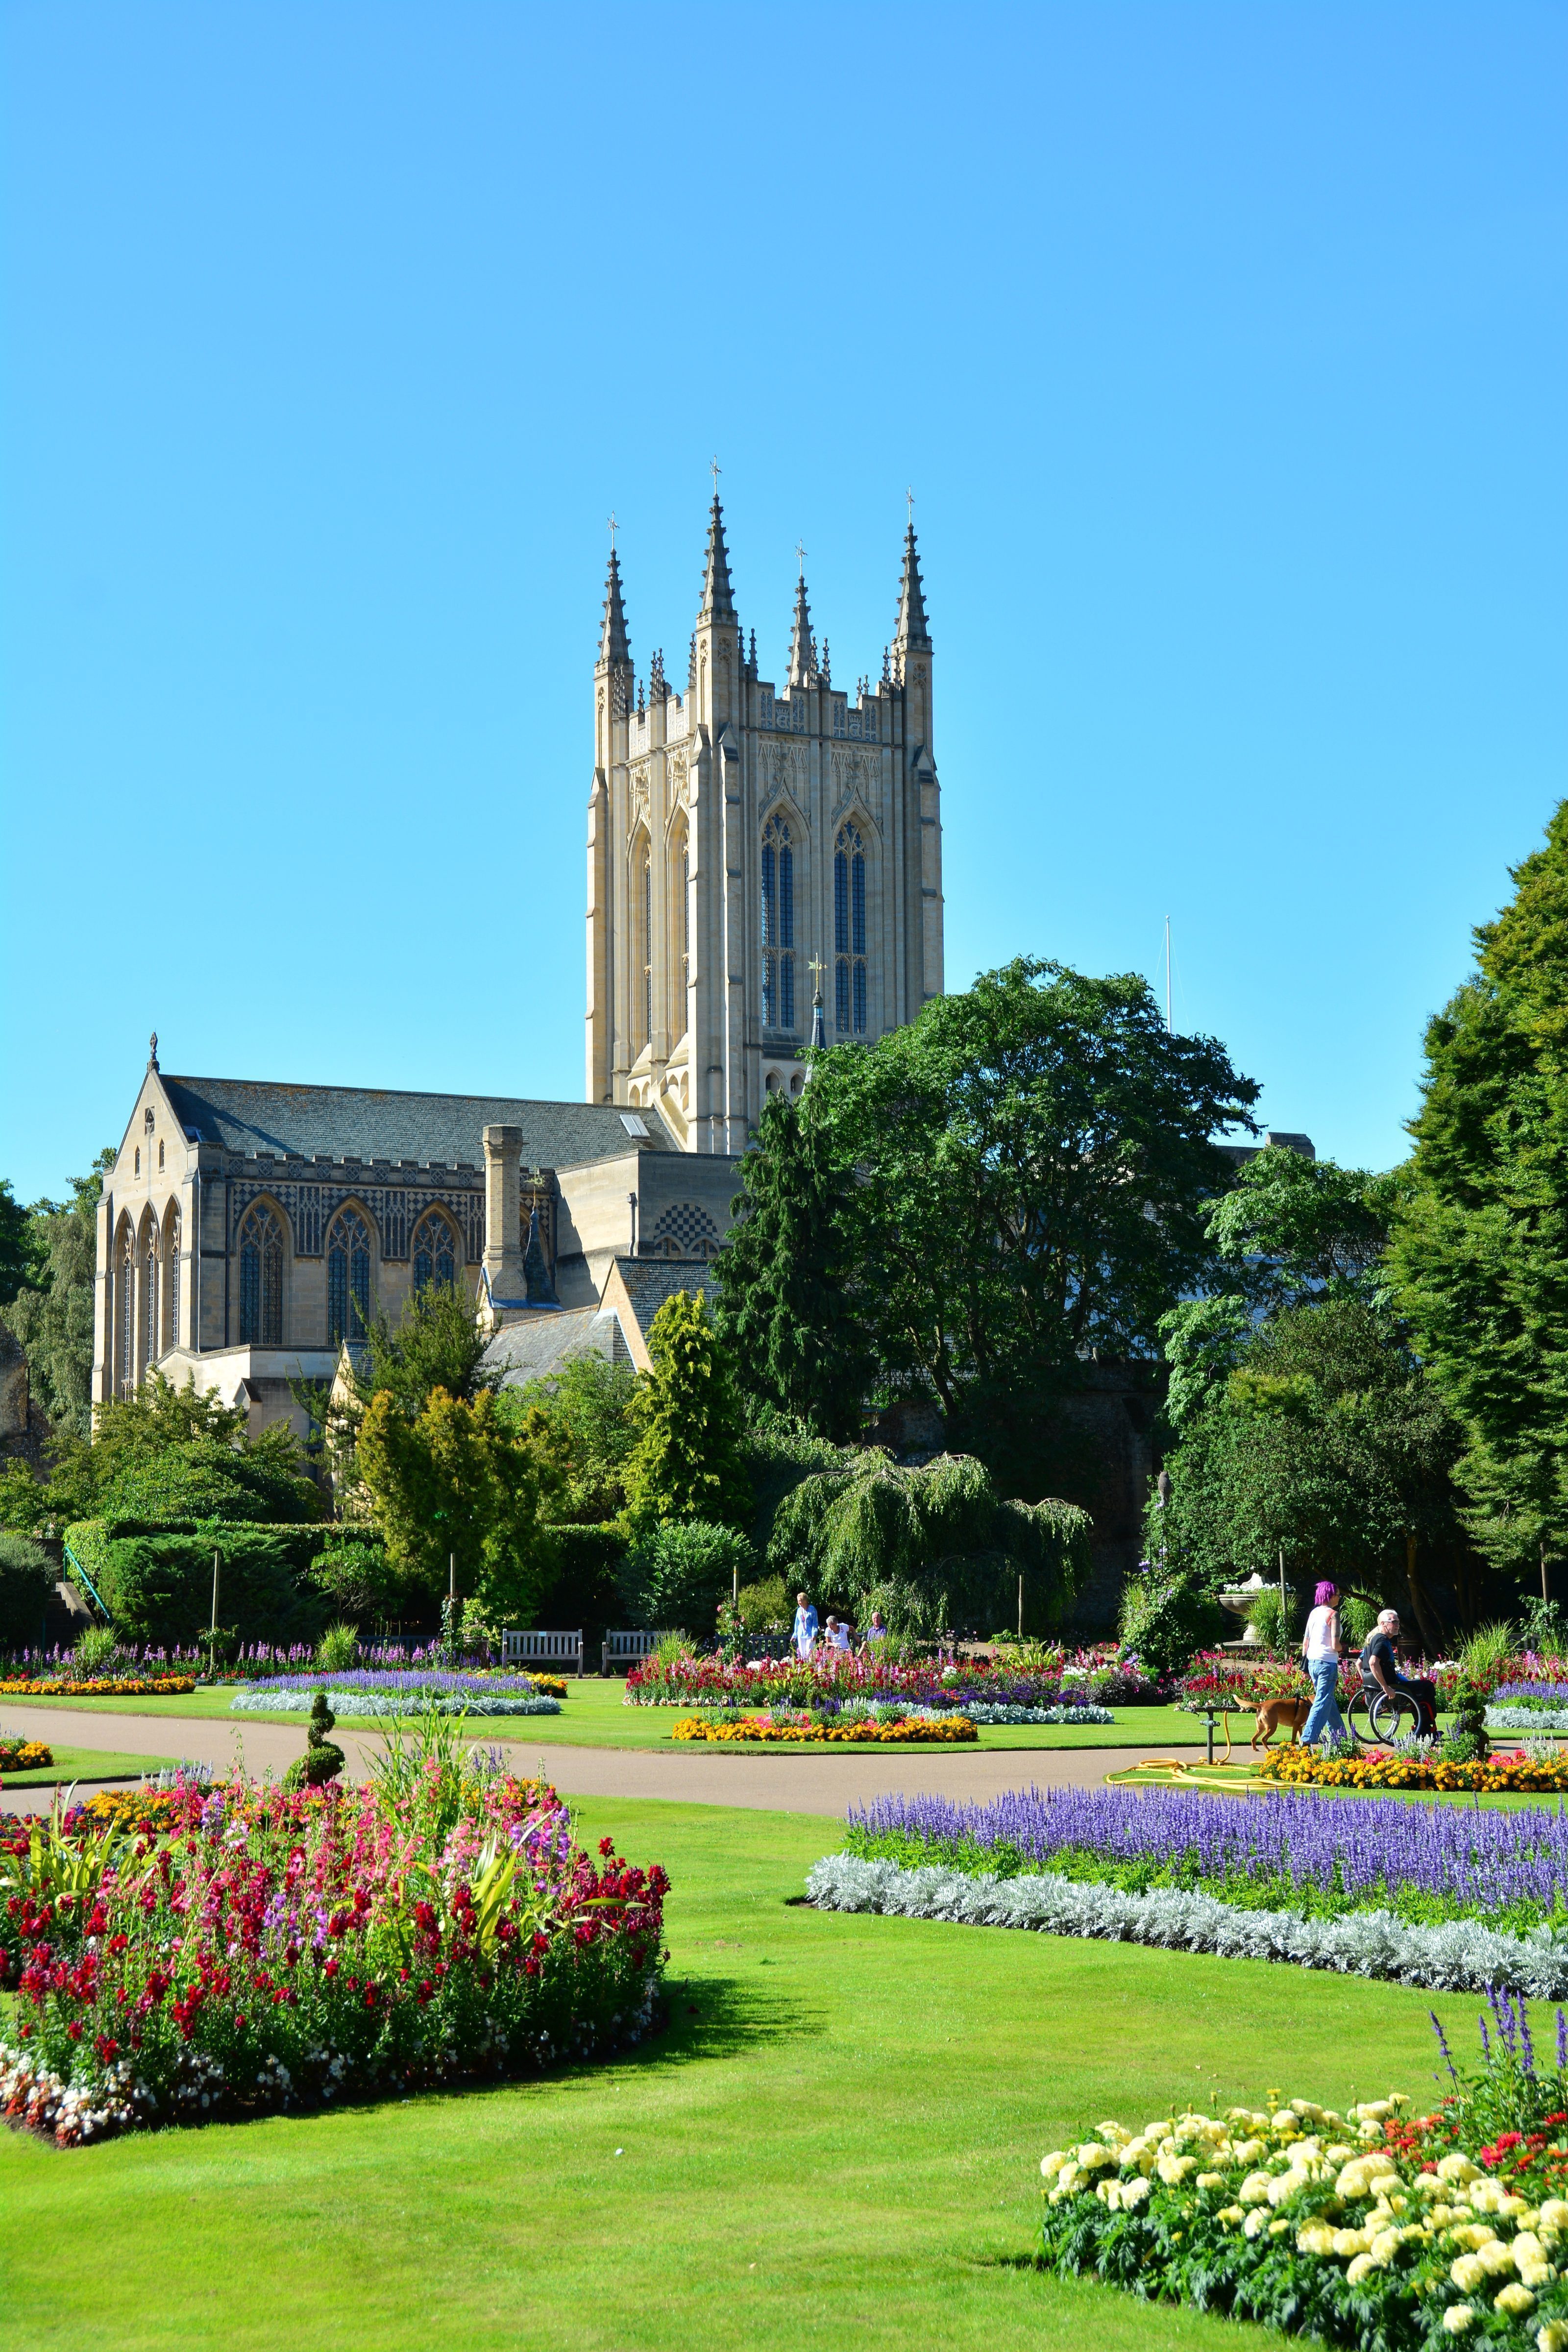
point(802, 646)
point(718, 603)
point(613, 646)
point(911, 628)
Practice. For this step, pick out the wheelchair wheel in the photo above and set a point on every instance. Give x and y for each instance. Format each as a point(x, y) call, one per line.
point(1396, 1716)
point(1357, 1713)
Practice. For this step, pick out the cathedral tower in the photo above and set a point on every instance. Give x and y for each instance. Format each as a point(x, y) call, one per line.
point(743, 840)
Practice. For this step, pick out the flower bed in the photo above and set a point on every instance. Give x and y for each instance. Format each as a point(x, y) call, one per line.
point(1279, 1851)
point(1088, 1679)
point(25, 1755)
point(804, 1729)
point(1361, 2229)
point(280, 1950)
point(126, 1686)
point(369, 1691)
point(1381, 1768)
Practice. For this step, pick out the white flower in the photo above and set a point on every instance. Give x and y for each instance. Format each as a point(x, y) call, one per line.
point(1051, 2165)
point(1350, 2242)
point(1173, 2169)
point(1316, 2238)
point(1555, 2216)
point(1458, 2317)
point(1495, 2259)
point(1552, 2337)
point(1358, 2269)
point(1209, 2180)
point(1459, 2167)
point(1467, 2272)
point(1133, 2193)
point(1253, 2189)
point(1256, 2222)
point(1515, 2299)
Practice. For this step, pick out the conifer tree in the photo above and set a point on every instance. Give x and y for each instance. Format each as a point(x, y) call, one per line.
point(690, 1458)
point(785, 1305)
point(1481, 1245)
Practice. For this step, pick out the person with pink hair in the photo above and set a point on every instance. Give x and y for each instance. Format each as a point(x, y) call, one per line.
point(1320, 1649)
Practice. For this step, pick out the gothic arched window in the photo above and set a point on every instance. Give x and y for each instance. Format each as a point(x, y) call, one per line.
point(849, 933)
point(171, 1252)
point(261, 1279)
point(778, 925)
point(150, 1297)
point(648, 947)
point(127, 1314)
point(434, 1251)
point(348, 1277)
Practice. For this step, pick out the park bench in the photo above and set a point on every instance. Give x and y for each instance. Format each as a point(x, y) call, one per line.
point(626, 1649)
point(539, 1649)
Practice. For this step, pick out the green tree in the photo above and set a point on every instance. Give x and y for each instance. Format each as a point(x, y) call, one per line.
point(677, 1573)
point(19, 1261)
point(51, 1313)
point(454, 1482)
point(1480, 1253)
point(1326, 1441)
point(1033, 1161)
point(581, 1416)
point(936, 1548)
point(435, 1344)
point(785, 1298)
point(690, 1457)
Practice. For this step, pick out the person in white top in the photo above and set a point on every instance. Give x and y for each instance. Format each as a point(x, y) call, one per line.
point(1320, 1649)
point(805, 1626)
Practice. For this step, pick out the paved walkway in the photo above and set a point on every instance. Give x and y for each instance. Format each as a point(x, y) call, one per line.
point(780, 1780)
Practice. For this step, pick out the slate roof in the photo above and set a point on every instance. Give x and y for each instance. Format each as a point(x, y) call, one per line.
point(651, 1280)
point(368, 1123)
point(540, 1344)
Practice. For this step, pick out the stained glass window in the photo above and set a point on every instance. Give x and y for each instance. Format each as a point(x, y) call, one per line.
point(260, 1278)
point(434, 1251)
point(127, 1315)
point(348, 1277)
point(850, 990)
point(150, 1298)
point(647, 950)
point(175, 1282)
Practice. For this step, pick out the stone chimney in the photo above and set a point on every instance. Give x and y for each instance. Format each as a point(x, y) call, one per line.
point(504, 1271)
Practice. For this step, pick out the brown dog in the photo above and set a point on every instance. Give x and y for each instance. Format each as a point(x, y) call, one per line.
point(1280, 1714)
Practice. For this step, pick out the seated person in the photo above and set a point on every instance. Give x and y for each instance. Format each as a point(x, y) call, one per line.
point(1380, 1664)
point(838, 1635)
point(877, 1631)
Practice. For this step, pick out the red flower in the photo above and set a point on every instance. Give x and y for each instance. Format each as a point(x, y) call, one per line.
point(606, 1845)
point(330, 1969)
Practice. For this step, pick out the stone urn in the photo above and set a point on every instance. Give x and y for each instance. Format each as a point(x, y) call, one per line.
point(1241, 1600)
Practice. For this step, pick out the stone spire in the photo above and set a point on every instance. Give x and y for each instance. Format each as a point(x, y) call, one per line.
point(911, 631)
point(802, 646)
point(613, 646)
point(718, 603)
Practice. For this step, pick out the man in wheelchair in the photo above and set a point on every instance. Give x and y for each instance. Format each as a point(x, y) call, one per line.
point(1380, 1669)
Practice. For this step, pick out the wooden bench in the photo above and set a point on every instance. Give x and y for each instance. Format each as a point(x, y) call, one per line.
point(626, 1649)
point(538, 1649)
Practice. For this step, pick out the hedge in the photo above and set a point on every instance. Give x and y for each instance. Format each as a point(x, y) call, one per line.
point(585, 1591)
point(156, 1581)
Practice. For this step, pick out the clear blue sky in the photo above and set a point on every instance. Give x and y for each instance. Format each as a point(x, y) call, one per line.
point(1223, 346)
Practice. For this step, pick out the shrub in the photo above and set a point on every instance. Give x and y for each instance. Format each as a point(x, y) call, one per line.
point(97, 1647)
point(354, 1572)
point(1273, 1619)
point(26, 1588)
point(1357, 1618)
point(1467, 1741)
point(338, 1647)
point(157, 1582)
point(322, 1759)
point(679, 1573)
point(1166, 1618)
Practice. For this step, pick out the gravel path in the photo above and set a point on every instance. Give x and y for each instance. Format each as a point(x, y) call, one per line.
point(784, 1781)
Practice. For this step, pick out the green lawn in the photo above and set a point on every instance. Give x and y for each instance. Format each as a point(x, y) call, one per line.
point(87, 1764)
point(839, 2139)
point(595, 1716)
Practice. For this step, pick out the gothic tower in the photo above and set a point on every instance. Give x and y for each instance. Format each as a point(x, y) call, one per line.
point(743, 842)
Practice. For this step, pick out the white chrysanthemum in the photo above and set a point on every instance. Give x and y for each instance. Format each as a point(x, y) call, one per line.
point(1458, 2318)
point(1515, 2299)
point(1467, 2271)
point(1133, 2193)
point(1457, 2167)
point(1358, 2269)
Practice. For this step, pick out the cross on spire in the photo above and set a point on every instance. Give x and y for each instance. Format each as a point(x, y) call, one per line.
point(612, 530)
point(910, 496)
point(800, 555)
point(816, 968)
point(715, 468)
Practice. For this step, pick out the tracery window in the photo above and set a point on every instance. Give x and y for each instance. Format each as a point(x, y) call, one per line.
point(849, 987)
point(260, 1278)
point(150, 1297)
point(434, 1251)
point(778, 925)
point(648, 947)
point(173, 1253)
point(685, 928)
point(127, 1315)
point(348, 1278)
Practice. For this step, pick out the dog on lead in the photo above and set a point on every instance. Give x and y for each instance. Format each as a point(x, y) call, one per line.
point(1279, 1715)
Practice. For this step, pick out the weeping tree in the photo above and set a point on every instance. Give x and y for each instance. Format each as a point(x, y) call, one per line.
point(936, 1548)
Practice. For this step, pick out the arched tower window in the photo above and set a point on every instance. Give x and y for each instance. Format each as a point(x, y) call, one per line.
point(348, 1277)
point(849, 989)
point(260, 1278)
point(648, 947)
point(778, 925)
point(127, 1314)
point(434, 1251)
